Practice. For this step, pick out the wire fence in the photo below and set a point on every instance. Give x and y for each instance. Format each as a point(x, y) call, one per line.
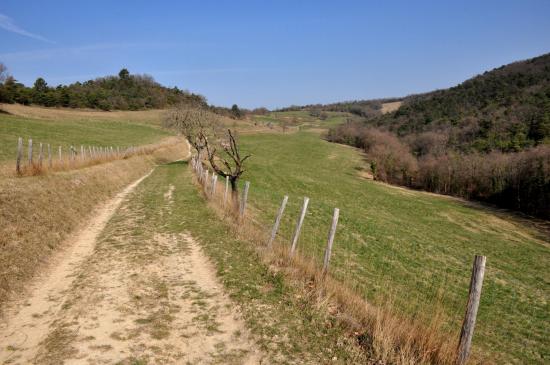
point(34, 158)
point(307, 244)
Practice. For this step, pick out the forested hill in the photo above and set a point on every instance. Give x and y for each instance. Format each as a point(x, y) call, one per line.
point(487, 138)
point(122, 92)
point(506, 109)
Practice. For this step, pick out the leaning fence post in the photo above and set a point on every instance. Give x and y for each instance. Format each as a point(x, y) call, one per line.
point(30, 151)
point(467, 332)
point(331, 234)
point(49, 156)
point(299, 226)
point(40, 154)
point(245, 197)
point(277, 222)
point(19, 155)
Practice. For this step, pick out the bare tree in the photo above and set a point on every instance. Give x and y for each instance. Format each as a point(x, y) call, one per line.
point(194, 124)
point(228, 164)
point(204, 132)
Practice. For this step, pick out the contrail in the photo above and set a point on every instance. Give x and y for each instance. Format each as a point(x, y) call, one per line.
point(8, 24)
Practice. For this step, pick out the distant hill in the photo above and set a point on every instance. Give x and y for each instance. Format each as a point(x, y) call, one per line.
point(122, 92)
point(486, 139)
point(362, 108)
point(506, 109)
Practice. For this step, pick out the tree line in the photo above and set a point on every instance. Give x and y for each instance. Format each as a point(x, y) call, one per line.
point(121, 92)
point(124, 91)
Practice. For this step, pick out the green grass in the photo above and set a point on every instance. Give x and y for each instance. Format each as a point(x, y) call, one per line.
point(408, 245)
point(302, 118)
point(66, 132)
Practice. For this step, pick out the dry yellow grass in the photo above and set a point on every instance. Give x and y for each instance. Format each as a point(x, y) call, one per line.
point(78, 163)
point(38, 213)
point(154, 116)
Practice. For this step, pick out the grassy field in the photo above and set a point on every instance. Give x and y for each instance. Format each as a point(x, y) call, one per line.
point(413, 248)
point(68, 127)
point(302, 119)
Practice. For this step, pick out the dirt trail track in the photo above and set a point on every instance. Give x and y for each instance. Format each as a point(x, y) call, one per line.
point(118, 295)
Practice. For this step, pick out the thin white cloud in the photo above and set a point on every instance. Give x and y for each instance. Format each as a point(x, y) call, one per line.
point(81, 51)
point(8, 24)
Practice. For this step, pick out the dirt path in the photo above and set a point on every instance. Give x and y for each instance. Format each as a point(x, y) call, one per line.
point(128, 291)
point(26, 323)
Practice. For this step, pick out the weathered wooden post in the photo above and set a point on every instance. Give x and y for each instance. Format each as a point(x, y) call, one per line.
point(244, 198)
point(82, 155)
point(226, 192)
point(50, 164)
point(467, 332)
point(205, 179)
point(277, 222)
point(214, 183)
point(60, 156)
point(299, 226)
point(40, 154)
point(30, 151)
point(19, 155)
point(331, 233)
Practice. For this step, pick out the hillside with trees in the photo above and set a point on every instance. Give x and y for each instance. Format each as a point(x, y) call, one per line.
point(487, 138)
point(362, 108)
point(124, 91)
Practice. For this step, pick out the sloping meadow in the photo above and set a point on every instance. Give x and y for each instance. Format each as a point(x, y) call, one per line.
point(408, 248)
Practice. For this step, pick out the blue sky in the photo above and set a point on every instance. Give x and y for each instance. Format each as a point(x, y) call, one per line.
point(272, 53)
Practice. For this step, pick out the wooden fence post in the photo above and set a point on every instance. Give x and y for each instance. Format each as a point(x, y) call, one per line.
point(211, 191)
point(82, 156)
point(331, 233)
point(277, 222)
point(19, 155)
point(60, 156)
point(40, 154)
point(244, 198)
point(467, 332)
point(30, 151)
point(50, 164)
point(214, 183)
point(226, 190)
point(299, 226)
